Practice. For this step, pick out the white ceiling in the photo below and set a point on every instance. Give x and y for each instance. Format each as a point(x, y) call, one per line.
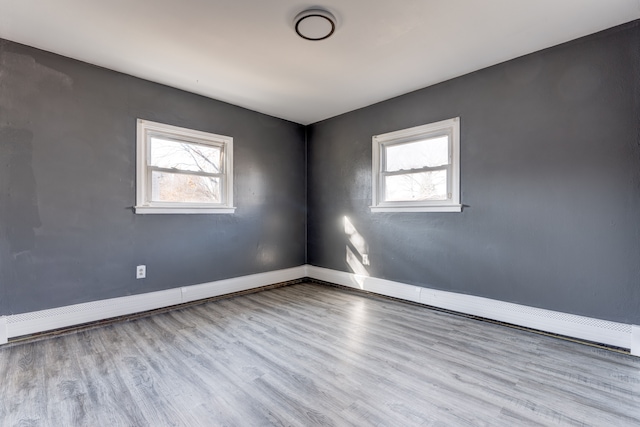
point(246, 52)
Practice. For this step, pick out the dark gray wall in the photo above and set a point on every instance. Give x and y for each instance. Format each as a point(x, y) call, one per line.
point(67, 186)
point(550, 162)
point(550, 181)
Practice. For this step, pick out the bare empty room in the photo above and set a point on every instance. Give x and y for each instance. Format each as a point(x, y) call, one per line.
point(349, 213)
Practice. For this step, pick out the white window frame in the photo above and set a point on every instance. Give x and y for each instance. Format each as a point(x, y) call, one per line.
point(449, 127)
point(144, 205)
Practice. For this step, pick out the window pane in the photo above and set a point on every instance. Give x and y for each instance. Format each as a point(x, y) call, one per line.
point(182, 155)
point(174, 187)
point(430, 152)
point(413, 187)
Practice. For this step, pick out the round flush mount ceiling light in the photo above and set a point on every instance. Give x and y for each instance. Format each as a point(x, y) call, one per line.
point(315, 24)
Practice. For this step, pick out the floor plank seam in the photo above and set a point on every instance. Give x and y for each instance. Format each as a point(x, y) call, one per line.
point(312, 355)
point(121, 319)
point(91, 325)
point(479, 318)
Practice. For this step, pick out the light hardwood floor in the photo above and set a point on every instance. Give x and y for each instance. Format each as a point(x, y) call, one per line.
point(313, 355)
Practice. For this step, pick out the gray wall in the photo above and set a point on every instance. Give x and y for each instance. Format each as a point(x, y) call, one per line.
point(550, 183)
point(550, 161)
point(67, 186)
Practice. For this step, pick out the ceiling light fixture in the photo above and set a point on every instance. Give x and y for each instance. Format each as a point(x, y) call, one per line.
point(315, 24)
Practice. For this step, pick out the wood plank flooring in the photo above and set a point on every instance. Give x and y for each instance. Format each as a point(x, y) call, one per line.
point(312, 355)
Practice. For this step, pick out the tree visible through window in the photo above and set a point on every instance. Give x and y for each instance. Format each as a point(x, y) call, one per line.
point(180, 168)
point(417, 169)
point(185, 172)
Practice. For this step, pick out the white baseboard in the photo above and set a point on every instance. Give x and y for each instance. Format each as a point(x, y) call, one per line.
point(367, 283)
point(237, 284)
point(4, 336)
point(61, 317)
point(70, 315)
point(635, 340)
point(586, 328)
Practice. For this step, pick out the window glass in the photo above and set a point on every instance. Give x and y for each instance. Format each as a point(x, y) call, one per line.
point(174, 187)
point(430, 185)
point(186, 156)
point(182, 170)
point(417, 169)
point(418, 154)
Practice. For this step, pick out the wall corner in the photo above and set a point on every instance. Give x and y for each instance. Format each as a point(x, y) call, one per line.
point(306, 269)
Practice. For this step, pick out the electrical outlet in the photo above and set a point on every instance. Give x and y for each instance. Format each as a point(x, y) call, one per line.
point(365, 259)
point(141, 272)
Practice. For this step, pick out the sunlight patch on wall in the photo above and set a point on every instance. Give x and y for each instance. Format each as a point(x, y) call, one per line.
point(356, 252)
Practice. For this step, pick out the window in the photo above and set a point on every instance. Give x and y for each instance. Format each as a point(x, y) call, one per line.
point(417, 169)
point(183, 171)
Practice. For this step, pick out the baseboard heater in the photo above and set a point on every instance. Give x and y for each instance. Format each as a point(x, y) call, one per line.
point(612, 334)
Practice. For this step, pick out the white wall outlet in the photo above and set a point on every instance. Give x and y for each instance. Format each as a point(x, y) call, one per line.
point(365, 259)
point(141, 272)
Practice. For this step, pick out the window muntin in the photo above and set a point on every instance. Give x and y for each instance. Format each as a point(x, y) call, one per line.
point(183, 171)
point(417, 169)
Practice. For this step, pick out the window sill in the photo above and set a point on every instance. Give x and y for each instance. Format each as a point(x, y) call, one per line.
point(432, 208)
point(182, 210)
